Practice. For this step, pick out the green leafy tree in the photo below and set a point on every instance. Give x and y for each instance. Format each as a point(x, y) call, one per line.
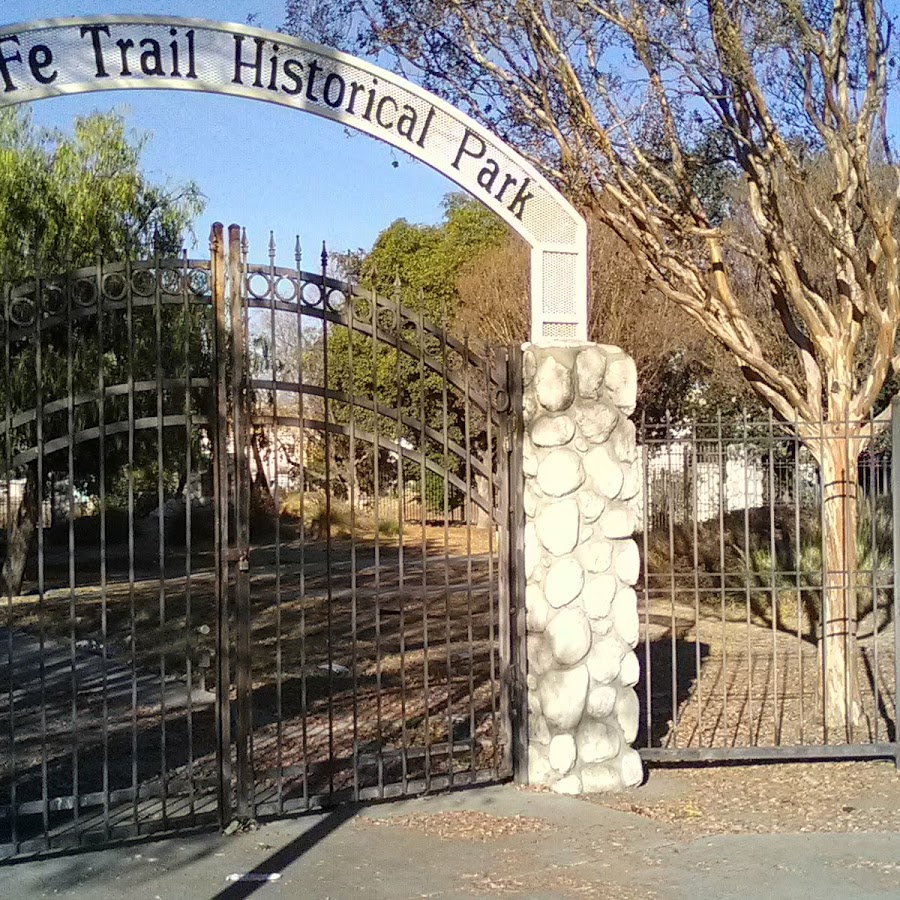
point(419, 266)
point(74, 196)
point(70, 201)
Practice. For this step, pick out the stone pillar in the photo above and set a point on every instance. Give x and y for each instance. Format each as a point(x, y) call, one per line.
point(581, 563)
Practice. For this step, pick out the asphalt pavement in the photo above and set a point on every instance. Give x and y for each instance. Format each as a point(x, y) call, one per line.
point(498, 841)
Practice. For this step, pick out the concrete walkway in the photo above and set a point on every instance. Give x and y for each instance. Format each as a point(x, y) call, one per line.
point(470, 845)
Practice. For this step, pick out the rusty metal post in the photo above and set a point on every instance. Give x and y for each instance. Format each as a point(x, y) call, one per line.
point(516, 564)
point(219, 435)
point(240, 426)
point(506, 604)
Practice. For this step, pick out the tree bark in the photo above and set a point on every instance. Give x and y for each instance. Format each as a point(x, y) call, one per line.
point(837, 639)
point(262, 490)
point(20, 533)
point(481, 518)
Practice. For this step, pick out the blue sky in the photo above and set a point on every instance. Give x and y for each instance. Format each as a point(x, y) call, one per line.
point(263, 166)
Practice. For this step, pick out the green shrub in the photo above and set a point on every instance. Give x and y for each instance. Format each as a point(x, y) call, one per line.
point(802, 568)
point(740, 562)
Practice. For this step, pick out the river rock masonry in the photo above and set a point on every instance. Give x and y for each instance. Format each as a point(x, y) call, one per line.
point(581, 564)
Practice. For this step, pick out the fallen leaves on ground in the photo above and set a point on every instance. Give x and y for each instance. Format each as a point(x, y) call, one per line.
point(769, 799)
point(466, 825)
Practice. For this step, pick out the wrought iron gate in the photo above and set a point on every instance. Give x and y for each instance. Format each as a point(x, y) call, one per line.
point(227, 608)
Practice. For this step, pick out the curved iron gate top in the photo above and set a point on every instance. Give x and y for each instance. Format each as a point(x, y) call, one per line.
point(258, 553)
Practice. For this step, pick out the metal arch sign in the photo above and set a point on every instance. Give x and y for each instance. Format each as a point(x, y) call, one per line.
point(57, 57)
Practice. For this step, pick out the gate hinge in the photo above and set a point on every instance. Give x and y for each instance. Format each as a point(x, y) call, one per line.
point(512, 679)
point(516, 696)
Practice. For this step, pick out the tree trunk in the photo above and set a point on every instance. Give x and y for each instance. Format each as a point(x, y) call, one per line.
point(837, 639)
point(480, 518)
point(20, 533)
point(262, 491)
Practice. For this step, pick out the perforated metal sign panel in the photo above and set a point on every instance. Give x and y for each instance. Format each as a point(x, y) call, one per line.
point(68, 56)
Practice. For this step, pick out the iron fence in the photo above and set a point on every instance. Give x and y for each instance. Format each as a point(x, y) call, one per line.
point(177, 646)
point(767, 602)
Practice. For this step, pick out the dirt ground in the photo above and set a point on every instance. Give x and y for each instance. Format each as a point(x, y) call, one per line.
point(819, 797)
point(711, 679)
point(365, 659)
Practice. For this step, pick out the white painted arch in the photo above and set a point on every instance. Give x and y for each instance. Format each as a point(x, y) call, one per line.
point(57, 57)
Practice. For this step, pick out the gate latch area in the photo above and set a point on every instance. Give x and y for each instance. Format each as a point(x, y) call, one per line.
point(241, 557)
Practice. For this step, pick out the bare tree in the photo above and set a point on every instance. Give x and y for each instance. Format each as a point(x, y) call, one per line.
point(641, 110)
point(676, 360)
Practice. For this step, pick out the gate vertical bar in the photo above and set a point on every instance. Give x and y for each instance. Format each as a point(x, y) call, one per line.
point(242, 525)
point(646, 509)
point(401, 546)
point(279, 683)
point(161, 522)
point(104, 599)
point(492, 521)
point(376, 550)
point(773, 582)
point(516, 565)
point(188, 523)
point(504, 600)
point(446, 535)
point(70, 487)
point(670, 527)
point(354, 609)
point(895, 504)
point(423, 506)
point(220, 489)
point(38, 488)
point(826, 594)
point(301, 562)
point(694, 513)
point(10, 594)
point(132, 610)
point(470, 513)
point(723, 500)
point(329, 586)
point(873, 577)
point(797, 583)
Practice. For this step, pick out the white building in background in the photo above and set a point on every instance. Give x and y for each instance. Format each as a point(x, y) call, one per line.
point(690, 481)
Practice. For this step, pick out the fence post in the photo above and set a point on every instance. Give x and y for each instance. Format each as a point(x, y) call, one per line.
point(241, 499)
point(895, 504)
point(220, 490)
point(516, 560)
